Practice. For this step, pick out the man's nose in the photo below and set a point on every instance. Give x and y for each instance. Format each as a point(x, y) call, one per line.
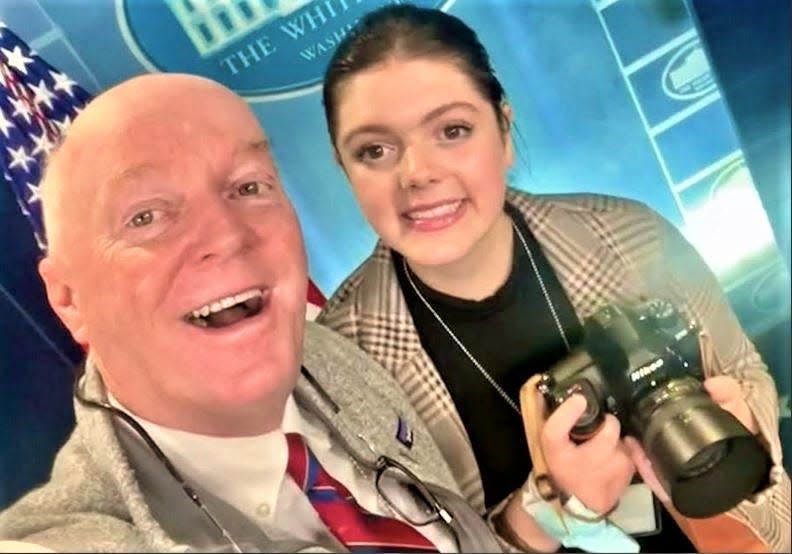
point(416, 168)
point(224, 231)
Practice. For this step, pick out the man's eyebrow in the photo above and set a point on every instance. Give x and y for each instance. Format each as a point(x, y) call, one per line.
point(130, 174)
point(127, 174)
point(433, 114)
point(120, 182)
point(262, 145)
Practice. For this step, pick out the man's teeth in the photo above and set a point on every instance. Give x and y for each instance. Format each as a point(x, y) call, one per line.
point(226, 302)
point(437, 211)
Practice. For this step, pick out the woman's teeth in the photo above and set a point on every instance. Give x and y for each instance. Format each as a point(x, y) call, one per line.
point(437, 211)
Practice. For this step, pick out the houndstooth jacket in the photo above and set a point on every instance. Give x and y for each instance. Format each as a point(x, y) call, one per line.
point(604, 250)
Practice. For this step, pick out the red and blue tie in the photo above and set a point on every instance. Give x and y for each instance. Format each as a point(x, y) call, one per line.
point(357, 529)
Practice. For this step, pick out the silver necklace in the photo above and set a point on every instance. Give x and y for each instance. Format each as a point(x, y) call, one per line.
point(462, 347)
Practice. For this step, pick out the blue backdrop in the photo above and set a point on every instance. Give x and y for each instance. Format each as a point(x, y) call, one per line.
point(613, 96)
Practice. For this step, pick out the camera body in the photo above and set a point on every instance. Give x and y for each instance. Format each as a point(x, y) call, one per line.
point(628, 353)
point(643, 365)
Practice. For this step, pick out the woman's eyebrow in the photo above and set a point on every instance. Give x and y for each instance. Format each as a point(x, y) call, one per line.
point(440, 110)
point(432, 114)
point(369, 128)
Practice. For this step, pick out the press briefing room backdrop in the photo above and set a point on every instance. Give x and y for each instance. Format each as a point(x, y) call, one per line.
point(682, 104)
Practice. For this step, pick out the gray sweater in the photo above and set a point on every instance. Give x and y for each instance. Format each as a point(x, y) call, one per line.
point(107, 492)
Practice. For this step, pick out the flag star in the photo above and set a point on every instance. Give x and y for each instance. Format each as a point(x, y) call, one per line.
point(16, 59)
point(21, 108)
point(35, 193)
point(42, 143)
point(5, 125)
point(43, 95)
point(62, 124)
point(62, 82)
point(19, 157)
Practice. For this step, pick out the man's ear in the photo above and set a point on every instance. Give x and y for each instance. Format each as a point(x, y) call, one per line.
point(62, 298)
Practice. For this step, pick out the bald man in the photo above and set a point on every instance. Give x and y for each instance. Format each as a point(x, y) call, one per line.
point(210, 415)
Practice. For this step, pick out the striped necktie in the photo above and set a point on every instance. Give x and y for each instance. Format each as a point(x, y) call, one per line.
point(357, 529)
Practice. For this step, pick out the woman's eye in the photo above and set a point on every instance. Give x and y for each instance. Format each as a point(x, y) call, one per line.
point(453, 132)
point(372, 152)
point(141, 219)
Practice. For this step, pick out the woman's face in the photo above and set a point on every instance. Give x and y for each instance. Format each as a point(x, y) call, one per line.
point(426, 157)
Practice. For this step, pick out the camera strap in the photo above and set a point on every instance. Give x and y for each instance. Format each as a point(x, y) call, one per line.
point(533, 415)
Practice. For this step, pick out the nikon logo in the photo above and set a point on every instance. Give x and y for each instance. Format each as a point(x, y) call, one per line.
point(648, 369)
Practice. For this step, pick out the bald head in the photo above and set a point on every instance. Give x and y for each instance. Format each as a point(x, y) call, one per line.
point(136, 112)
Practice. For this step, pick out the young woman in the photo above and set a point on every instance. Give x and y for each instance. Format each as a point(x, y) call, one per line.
point(474, 287)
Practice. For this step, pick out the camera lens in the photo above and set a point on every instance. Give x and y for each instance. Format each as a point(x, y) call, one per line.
point(704, 461)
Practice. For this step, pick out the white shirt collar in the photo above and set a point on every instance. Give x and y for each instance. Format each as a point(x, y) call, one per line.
point(257, 463)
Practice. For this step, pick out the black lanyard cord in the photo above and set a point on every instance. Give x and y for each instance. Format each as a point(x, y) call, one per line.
point(141, 432)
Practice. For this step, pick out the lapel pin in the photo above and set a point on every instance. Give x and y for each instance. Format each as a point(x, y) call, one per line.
point(403, 433)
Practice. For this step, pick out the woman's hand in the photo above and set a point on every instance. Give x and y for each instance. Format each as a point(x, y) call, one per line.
point(727, 393)
point(597, 471)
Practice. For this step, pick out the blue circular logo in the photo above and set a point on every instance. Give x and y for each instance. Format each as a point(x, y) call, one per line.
point(262, 49)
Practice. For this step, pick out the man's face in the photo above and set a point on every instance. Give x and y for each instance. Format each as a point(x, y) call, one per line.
point(184, 260)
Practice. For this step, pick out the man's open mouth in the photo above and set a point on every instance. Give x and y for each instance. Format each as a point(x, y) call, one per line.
point(228, 310)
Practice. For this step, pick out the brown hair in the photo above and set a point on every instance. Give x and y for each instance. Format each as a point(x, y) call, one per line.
point(411, 32)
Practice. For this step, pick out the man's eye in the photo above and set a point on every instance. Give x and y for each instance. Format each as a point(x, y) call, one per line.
point(453, 132)
point(253, 188)
point(141, 219)
point(372, 152)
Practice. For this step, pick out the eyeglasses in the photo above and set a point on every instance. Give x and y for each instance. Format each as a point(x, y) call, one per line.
point(418, 508)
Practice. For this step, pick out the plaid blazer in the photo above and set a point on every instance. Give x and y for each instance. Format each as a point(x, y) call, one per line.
point(604, 250)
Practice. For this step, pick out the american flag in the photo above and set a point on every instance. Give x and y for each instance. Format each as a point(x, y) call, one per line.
point(37, 103)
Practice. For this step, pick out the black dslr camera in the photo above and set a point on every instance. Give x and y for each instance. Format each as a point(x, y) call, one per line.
point(643, 365)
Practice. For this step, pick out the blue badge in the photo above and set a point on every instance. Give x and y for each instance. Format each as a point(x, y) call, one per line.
point(403, 433)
